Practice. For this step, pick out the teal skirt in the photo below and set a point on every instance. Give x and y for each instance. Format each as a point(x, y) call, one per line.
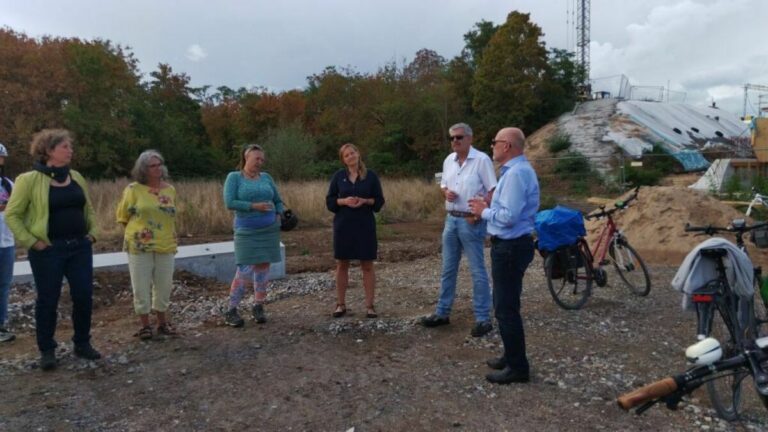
point(258, 246)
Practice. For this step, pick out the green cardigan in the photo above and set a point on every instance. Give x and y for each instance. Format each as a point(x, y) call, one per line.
point(27, 211)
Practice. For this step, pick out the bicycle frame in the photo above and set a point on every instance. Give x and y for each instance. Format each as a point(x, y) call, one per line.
point(600, 247)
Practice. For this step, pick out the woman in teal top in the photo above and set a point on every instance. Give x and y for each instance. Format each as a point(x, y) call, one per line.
point(253, 196)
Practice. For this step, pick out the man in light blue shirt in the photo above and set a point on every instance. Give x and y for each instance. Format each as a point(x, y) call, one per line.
point(467, 173)
point(510, 220)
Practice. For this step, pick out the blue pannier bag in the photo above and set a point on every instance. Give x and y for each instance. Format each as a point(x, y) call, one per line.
point(558, 227)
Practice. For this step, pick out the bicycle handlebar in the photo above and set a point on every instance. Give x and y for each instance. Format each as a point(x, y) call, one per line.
point(671, 389)
point(648, 393)
point(618, 205)
point(712, 230)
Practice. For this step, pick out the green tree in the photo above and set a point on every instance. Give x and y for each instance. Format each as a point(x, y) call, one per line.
point(557, 91)
point(170, 120)
point(476, 40)
point(512, 67)
point(103, 82)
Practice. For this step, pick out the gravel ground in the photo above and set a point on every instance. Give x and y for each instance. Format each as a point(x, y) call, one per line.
point(304, 370)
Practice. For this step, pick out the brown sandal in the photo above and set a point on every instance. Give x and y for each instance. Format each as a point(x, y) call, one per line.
point(371, 312)
point(341, 310)
point(166, 329)
point(144, 333)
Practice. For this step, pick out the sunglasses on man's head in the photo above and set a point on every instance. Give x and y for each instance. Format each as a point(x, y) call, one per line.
point(456, 138)
point(494, 141)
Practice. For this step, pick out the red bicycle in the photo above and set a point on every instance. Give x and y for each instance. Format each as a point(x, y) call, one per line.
point(572, 270)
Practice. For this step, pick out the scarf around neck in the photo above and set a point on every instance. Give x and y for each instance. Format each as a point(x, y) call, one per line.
point(59, 174)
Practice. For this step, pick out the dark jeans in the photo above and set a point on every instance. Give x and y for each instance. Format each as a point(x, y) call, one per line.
point(73, 259)
point(509, 259)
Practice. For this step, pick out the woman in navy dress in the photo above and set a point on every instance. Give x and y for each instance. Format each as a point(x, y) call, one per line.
point(354, 195)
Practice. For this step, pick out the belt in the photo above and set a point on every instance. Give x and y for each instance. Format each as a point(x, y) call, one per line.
point(497, 239)
point(70, 241)
point(460, 214)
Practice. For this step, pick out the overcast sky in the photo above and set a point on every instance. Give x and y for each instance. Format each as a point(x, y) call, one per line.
point(706, 48)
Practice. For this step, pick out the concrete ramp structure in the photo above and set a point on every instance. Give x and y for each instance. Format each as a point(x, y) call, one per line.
point(682, 130)
point(715, 177)
point(723, 170)
point(603, 129)
point(212, 260)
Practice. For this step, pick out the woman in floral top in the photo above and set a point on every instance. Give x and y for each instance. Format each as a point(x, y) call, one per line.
point(148, 213)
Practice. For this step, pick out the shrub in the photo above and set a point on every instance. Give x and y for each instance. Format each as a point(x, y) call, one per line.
point(573, 163)
point(290, 153)
point(558, 143)
point(760, 183)
point(642, 176)
point(733, 187)
point(547, 202)
point(656, 165)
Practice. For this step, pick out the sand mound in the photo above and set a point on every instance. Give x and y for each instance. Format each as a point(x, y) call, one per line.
point(654, 223)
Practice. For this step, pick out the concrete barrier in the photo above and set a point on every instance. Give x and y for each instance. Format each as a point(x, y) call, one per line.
point(213, 260)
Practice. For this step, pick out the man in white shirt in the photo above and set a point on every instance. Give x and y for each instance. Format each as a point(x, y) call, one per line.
point(7, 249)
point(467, 173)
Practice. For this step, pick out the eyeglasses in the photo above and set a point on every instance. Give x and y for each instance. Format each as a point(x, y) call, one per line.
point(494, 141)
point(456, 138)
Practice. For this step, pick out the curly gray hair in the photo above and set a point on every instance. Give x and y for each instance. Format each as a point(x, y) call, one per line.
point(140, 168)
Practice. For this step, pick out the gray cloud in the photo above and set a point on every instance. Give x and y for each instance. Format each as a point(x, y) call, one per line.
point(707, 48)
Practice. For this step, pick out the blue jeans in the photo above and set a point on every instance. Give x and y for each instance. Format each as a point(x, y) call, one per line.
point(7, 257)
point(73, 259)
point(458, 236)
point(509, 260)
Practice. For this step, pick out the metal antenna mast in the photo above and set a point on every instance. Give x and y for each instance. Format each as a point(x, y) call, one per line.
point(582, 37)
point(748, 87)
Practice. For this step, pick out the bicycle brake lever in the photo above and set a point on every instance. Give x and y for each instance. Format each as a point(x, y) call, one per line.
point(672, 401)
point(644, 407)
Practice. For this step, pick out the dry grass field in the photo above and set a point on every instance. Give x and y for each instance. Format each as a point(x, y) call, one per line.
point(201, 210)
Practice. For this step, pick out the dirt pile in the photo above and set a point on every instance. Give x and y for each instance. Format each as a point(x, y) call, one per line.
point(655, 223)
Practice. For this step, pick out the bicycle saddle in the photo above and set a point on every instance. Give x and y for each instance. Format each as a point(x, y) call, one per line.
point(714, 253)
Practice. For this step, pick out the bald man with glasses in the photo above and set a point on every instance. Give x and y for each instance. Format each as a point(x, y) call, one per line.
point(467, 173)
point(510, 218)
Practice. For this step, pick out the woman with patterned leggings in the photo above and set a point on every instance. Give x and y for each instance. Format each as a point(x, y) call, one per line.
point(253, 196)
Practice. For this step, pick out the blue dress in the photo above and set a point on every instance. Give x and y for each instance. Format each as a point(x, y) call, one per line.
point(354, 229)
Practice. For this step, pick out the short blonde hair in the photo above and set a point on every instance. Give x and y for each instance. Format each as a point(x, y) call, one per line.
point(46, 140)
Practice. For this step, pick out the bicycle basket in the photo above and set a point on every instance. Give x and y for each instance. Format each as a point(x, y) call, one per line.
point(760, 237)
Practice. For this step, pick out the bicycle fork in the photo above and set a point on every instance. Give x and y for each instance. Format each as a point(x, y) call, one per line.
point(620, 256)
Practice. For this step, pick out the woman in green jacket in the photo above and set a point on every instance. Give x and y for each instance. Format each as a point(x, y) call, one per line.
point(50, 214)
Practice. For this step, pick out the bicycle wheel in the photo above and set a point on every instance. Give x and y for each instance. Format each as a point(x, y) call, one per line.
point(630, 267)
point(760, 323)
point(761, 312)
point(725, 392)
point(573, 289)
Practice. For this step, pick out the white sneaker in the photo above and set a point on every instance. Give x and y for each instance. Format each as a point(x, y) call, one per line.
point(6, 336)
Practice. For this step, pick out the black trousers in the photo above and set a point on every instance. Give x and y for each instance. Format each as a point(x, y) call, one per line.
point(509, 260)
point(73, 259)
